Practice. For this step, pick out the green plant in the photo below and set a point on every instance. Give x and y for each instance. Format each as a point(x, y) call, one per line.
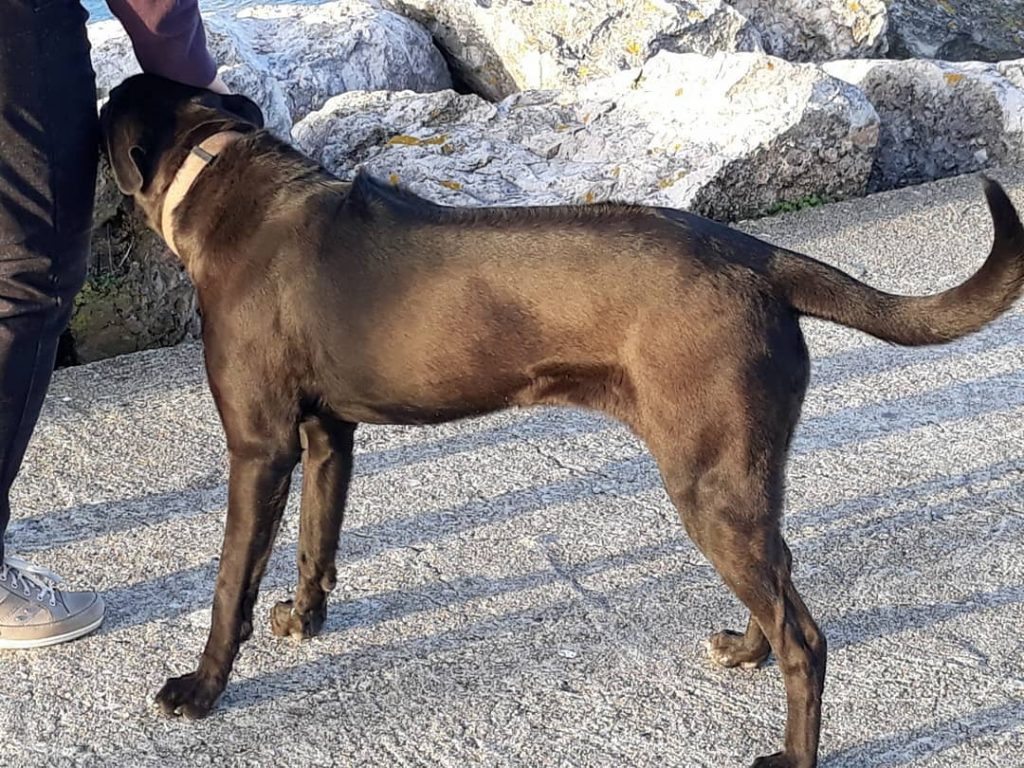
point(788, 206)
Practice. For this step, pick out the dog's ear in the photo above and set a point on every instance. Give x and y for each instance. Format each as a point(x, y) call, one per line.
point(235, 104)
point(245, 108)
point(127, 160)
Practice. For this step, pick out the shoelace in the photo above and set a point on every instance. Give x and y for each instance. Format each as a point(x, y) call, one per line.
point(31, 576)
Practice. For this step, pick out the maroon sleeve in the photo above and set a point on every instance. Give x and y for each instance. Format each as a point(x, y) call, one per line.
point(168, 38)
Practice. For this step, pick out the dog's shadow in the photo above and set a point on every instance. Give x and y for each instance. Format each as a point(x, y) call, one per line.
point(932, 739)
point(347, 668)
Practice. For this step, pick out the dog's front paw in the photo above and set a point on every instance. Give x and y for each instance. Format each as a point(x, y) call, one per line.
point(781, 760)
point(730, 649)
point(192, 696)
point(285, 621)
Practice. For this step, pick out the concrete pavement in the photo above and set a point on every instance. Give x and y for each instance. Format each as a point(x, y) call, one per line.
point(517, 591)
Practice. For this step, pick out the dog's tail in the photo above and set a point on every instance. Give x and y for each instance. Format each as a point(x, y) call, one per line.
point(818, 290)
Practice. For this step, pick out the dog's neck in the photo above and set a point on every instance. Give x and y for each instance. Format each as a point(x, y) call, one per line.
point(198, 158)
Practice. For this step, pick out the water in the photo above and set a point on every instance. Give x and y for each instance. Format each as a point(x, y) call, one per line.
point(98, 10)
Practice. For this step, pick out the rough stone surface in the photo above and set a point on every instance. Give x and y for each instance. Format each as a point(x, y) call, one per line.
point(940, 119)
point(112, 57)
point(811, 30)
point(729, 136)
point(137, 295)
point(957, 30)
point(498, 47)
point(108, 197)
point(291, 58)
point(517, 591)
point(318, 51)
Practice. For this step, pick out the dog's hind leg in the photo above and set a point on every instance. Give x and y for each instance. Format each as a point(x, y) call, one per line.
point(730, 508)
point(326, 472)
point(748, 650)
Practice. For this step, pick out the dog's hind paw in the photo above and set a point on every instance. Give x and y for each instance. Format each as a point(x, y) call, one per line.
point(191, 696)
point(781, 760)
point(285, 621)
point(730, 649)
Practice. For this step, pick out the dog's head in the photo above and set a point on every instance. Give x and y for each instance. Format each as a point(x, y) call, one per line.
point(149, 124)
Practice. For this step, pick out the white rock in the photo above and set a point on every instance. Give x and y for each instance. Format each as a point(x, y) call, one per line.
point(288, 59)
point(322, 50)
point(501, 46)
point(729, 136)
point(940, 119)
point(113, 59)
point(819, 30)
point(957, 30)
point(291, 58)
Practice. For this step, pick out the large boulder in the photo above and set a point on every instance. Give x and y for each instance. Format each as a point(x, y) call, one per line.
point(319, 51)
point(498, 47)
point(812, 30)
point(940, 119)
point(291, 58)
point(729, 136)
point(137, 295)
point(957, 30)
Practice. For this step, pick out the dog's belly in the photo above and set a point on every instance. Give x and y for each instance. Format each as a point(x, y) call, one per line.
point(468, 393)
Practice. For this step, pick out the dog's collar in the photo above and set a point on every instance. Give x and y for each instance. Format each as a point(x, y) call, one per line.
point(195, 163)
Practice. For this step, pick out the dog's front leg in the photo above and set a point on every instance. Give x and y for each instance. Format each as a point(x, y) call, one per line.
point(257, 492)
point(326, 472)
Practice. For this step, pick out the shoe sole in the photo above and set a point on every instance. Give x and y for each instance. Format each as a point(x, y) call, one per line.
point(42, 642)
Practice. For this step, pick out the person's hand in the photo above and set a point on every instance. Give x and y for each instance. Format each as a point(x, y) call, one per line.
point(217, 86)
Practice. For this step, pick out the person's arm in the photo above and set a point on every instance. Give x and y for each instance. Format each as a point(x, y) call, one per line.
point(169, 39)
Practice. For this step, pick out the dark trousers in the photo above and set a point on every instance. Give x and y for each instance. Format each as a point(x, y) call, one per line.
point(48, 153)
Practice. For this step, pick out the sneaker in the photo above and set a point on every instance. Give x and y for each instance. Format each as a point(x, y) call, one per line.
point(34, 613)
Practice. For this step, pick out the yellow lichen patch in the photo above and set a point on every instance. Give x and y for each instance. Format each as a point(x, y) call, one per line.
point(679, 91)
point(589, 197)
point(561, 127)
point(415, 141)
point(583, 71)
point(953, 78)
point(449, 184)
point(854, 6)
point(616, 171)
point(393, 178)
point(695, 15)
point(947, 6)
point(633, 48)
point(665, 183)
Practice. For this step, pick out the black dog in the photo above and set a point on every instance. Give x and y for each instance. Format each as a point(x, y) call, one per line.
point(327, 303)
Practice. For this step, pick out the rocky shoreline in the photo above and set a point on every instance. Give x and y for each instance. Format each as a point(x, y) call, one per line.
point(733, 110)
